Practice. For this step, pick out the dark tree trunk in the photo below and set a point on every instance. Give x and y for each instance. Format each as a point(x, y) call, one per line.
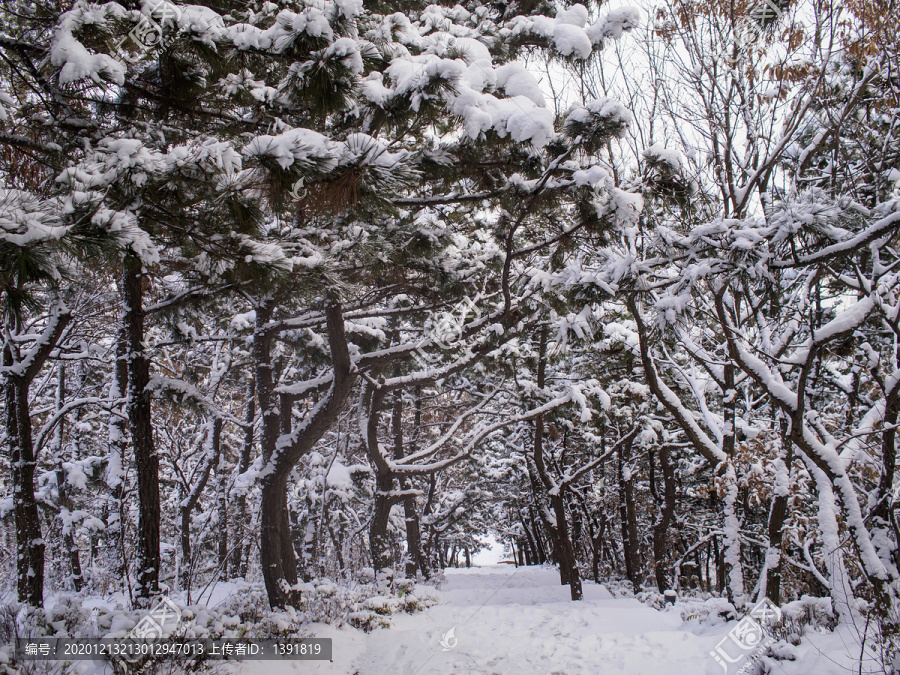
point(531, 552)
point(720, 566)
point(777, 517)
point(279, 562)
point(415, 559)
point(378, 531)
point(413, 536)
point(29, 542)
point(276, 546)
point(337, 540)
point(566, 551)
point(68, 539)
point(141, 424)
point(597, 547)
point(627, 515)
point(240, 554)
point(429, 548)
point(540, 546)
point(542, 486)
point(222, 494)
point(211, 445)
point(661, 527)
point(596, 528)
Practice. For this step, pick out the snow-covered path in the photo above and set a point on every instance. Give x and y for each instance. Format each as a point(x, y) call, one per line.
point(521, 622)
point(509, 621)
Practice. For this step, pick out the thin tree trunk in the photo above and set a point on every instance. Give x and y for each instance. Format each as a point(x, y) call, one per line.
point(141, 423)
point(222, 494)
point(211, 446)
point(559, 531)
point(68, 539)
point(627, 515)
point(566, 551)
point(661, 526)
point(410, 512)
point(241, 546)
point(115, 468)
point(56, 447)
point(774, 563)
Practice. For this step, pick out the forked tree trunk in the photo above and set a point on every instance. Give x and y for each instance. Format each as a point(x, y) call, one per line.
point(211, 448)
point(279, 562)
point(541, 486)
point(19, 376)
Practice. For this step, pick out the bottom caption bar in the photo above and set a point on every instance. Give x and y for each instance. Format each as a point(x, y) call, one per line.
point(130, 649)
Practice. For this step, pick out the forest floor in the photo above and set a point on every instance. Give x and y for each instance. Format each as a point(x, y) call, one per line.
point(520, 621)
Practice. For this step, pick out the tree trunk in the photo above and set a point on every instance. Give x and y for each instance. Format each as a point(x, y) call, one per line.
point(541, 485)
point(661, 527)
point(222, 495)
point(211, 446)
point(378, 531)
point(415, 559)
point(141, 423)
point(29, 542)
point(628, 516)
point(777, 515)
point(240, 553)
point(540, 546)
point(115, 468)
point(56, 447)
point(276, 547)
point(565, 550)
point(277, 555)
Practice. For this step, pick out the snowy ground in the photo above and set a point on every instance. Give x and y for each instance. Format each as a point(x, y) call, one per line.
point(512, 621)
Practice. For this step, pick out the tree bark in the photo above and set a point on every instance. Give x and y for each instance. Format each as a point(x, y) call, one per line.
point(115, 469)
point(211, 446)
point(29, 542)
point(65, 503)
point(222, 498)
point(240, 553)
point(141, 425)
point(19, 376)
point(415, 560)
point(280, 456)
point(542, 485)
point(661, 526)
point(378, 532)
point(565, 548)
point(627, 516)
